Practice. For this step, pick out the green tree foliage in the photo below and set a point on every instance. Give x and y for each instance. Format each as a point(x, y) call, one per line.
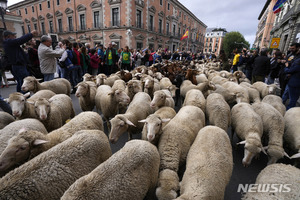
point(234, 40)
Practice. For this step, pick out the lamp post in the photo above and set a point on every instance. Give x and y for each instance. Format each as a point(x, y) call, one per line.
point(3, 6)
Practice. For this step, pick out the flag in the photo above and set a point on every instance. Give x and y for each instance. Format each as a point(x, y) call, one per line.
point(186, 35)
point(278, 5)
point(197, 36)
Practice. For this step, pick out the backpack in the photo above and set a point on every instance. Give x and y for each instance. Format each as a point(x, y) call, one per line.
point(5, 64)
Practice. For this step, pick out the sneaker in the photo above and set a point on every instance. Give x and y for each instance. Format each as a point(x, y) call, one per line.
point(2, 86)
point(7, 86)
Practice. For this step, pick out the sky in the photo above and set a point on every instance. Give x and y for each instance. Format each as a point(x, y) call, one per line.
point(233, 15)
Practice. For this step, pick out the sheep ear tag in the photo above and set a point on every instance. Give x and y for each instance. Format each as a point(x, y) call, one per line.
point(39, 142)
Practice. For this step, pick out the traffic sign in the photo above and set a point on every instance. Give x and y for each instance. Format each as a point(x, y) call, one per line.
point(275, 43)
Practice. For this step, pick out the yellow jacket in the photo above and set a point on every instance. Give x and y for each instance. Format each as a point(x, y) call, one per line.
point(236, 59)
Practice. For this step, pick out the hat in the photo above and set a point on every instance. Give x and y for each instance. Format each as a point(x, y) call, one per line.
point(7, 33)
point(113, 43)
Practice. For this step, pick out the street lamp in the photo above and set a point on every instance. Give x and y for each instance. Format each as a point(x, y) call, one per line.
point(3, 6)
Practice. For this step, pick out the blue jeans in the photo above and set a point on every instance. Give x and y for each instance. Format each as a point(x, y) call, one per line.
point(5, 106)
point(19, 72)
point(48, 77)
point(294, 93)
point(74, 75)
point(249, 74)
point(285, 94)
point(270, 80)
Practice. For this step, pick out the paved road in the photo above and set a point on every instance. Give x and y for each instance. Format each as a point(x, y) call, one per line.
point(240, 174)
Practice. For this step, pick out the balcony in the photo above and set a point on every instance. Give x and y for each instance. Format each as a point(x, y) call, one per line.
point(115, 23)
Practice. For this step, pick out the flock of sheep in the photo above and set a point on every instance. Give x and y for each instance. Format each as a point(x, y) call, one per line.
point(46, 152)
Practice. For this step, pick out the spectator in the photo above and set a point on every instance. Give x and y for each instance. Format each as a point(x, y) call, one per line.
point(275, 66)
point(34, 63)
point(95, 60)
point(125, 59)
point(261, 67)
point(88, 47)
point(47, 57)
point(76, 72)
point(224, 60)
point(67, 59)
point(16, 56)
point(85, 60)
point(138, 58)
point(250, 63)
point(101, 56)
point(110, 60)
point(2, 74)
point(235, 61)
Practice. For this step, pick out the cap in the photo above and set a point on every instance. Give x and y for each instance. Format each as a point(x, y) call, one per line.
point(113, 43)
point(7, 33)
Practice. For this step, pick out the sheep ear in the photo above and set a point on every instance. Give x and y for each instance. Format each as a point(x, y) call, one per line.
point(27, 95)
point(168, 96)
point(297, 155)
point(143, 121)
point(129, 123)
point(286, 155)
point(39, 79)
point(22, 130)
point(242, 142)
point(30, 102)
point(39, 142)
point(165, 120)
point(263, 150)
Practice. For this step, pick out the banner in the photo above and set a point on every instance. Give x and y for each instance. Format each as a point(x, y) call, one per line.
point(277, 7)
point(186, 35)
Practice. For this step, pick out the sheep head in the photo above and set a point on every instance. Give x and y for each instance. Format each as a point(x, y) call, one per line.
point(119, 125)
point(42, 108)
point(30, 84)
point(253, 147)
point(17, 103)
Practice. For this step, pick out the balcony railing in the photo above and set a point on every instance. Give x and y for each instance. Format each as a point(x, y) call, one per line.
point(115, 23)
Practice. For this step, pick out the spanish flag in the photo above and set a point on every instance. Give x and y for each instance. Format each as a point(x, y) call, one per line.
point(186, 35)
point(197, 36)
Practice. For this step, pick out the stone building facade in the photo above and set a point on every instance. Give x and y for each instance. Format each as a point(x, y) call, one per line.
point(135, 23)
point(287, 25)
point(213, 40)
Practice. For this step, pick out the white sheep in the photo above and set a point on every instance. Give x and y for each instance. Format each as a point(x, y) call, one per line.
point(162, 98)
point(165, 83)
point(277, 181)
point(20, 106)
point(230, 97)
point(58, 86)
point(35, 142)
point(236, 88)
point(254, 95)
point(201, 78)
point(102, 79)
point(149, 86)
point(276, 102)
point(138, 109)
point(86, 92)
point(218, 111)
point(130, 173)
point(195, 97)
point(273, 126)
point(53, 113)
point(265, 89)
point(88, 77)
point(121, 85)
point(248, 126)
point(50, 174)
point(5, 119)
point(12, 130)
point(133, 87)
point(173, 146)
point(292, 130)
point(208, 167)
point(107, 100)
point(155, 122)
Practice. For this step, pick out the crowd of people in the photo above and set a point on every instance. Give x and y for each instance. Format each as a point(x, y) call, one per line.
point(71, 61)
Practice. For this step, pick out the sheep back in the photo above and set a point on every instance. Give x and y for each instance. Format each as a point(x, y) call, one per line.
point(64, 103)
point(5, 119)
point(292, 128)
point(49, 175)
point(276, 102)
point(195, 97)
point(128, 174)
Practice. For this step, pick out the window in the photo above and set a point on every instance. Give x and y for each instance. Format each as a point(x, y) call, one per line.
point(139, 19)
point(168, 6)
point(115, 17)
point(40, 5)
point(179, 31)
point(161, 2)
point(57, 2)
point(174, 29)
point(23, 30)
point(26, 11)
point(139, 45)
point(68, 0)
point(60, 28)
point(167, 28)
point(151, 23)
point(50, 26)
point(43, 28)
point(180, 14)
point(82, 22)
point(70, 21)
point(32, 8)
point(29, 28)
point(96, 19)
point(160, 25)
point(48, 2)
point(20, 12)
point(35, 26)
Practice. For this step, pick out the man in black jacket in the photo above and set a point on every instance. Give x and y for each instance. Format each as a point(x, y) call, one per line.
point(261, 67)
point(110, 60)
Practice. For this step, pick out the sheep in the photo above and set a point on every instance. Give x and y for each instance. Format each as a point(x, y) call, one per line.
point(188, 85)
point(209, 166)
point(50, 174)
point(102, 79)
point(173, 146)
point(86, 92)
point(276, 102)
point(88, 77)
point(120, 85)
point(138, 109)
point(165, 83)
point(5, 119)
point(273, 127)
point(107, 100)
point(36, 142)
point(229, 96)
point(277, 181)
point(149, 86)
point(155, 122)
point(201, 78)
point(58, 86)
point(12, 130)
point(195, 97)
point(235, 88)
point(248, 126)
point(218, 111)
point(292, 130)
point(130, 173)
point(53, 113)
point(162, 98)
point(254, 96)
point(21, 108)
point(265, 89)
point(133, 87)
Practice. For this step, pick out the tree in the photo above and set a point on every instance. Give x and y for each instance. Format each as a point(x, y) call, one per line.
point(234, 40)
